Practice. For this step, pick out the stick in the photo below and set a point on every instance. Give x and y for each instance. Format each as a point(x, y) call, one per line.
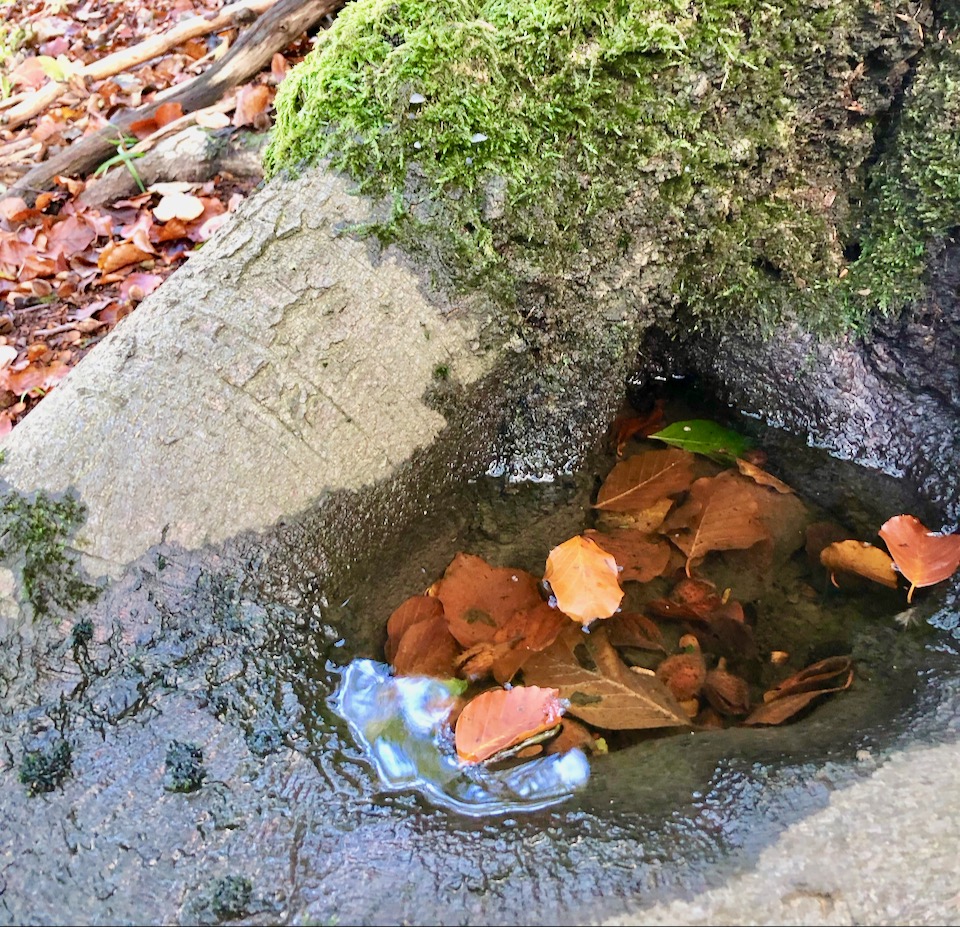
point(273, 31)
point(127, 58)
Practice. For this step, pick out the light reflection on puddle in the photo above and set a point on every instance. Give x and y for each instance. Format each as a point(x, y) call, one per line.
point(400, 724)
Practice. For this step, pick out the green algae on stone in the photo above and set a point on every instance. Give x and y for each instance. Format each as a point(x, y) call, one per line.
point(43, 769)
point(185, 771)
point(508, 128)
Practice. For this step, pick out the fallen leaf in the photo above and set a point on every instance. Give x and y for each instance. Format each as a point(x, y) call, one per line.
point(427, 648)
point(645, 479)
point(761, 477)
point(631, 629)
point(115, 255)
point(576, 736)
point(727, 693)
point(628, 426)
point(701, 436)
point(923, 556)
point(478, 598)
point(410, 612)
point(860, 558)
point(183, 206)
point(794, 694)
point(500, 718)
point(584, 579)
point(610, 697)
point(719, 514)
point(641, 556)
point(212, 120)
point(253, 100)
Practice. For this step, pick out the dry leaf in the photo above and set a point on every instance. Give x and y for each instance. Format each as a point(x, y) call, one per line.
point(921, 555)
point(860, 558)
point(611, 697)
point(644, 479)
point(584, 579)
point(501, 718)
point(183, 206)
point(626, 427)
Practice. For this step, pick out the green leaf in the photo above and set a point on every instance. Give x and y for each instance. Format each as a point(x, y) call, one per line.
point(704, 437)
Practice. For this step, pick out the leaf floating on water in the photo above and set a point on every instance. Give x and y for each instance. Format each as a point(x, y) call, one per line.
point(501, 718)
point(701, 436)
point(923, 556)
point(584, 579)
point(795, 693)
point(644, 480)
point(719, 514)
point(611, 696)
point(860, 558)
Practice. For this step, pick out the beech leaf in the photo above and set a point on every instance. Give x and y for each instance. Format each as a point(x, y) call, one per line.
point(584, 579)
point(794, 694)
point(923, 556)
point(427, 648)
point(642, 556)
point(644, 479)
point(860, 558)
point(501, 718)
point(414, 610)
point(701, 436)
point(761, 477)
point(719, 514)
point(478, 598)
point(610, 697)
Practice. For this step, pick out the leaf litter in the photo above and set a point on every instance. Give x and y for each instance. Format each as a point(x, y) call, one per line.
point(626, 634)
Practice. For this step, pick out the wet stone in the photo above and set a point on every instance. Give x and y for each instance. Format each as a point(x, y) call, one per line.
point(185, 770)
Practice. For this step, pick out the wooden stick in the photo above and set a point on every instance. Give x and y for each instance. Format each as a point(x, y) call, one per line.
point(125, 58)
point(252, 52)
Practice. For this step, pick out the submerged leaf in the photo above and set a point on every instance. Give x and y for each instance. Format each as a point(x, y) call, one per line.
point(860, 558)
point(611, 696)
point(796, 692)
point(921, 555)
point(644, 480)
point(584, 578)
point(642, 556)
point(705, 437)
point(414, 610)
point(427, 648)
point(500, 718)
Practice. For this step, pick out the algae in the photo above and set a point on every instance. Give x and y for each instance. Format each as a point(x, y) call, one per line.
point(185, 771)
point(516, 136)
point(43, 769)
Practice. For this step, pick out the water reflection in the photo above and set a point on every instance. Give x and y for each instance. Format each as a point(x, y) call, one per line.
point(400, 724)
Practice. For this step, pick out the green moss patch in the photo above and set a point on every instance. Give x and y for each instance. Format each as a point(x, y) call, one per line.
point(522, 134)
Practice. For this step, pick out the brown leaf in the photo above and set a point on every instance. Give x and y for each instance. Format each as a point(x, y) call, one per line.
point(414, 610)
point(427, 648)
point(644, 479)
point(478, 598)
point(921, 555)
point(727, 693)
point(860, 558)
point(115, 255)
point(794, 694)
point(611, 697)
point(501, 718)
point(253, 100)
point(631, 629)
point(626, 427)
point(761, 477)
point(719, 514)
point(529, 631)
point(642, 556)
point(644, 521)
point(573, 736)
point(683, 674)
point(584, 579)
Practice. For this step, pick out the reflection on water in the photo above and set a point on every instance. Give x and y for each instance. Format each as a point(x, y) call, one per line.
point(400, 724)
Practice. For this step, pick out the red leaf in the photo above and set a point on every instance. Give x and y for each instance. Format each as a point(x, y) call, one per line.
point(502, 718)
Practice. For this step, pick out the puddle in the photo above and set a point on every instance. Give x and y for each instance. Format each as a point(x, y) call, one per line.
point(792, 606)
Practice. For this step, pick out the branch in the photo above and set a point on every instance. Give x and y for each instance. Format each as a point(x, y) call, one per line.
point(252, 52)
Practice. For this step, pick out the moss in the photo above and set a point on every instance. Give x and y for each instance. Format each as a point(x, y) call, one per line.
point(42, 770)
point(36, 529)
point(230, 897)
point(184, 767)
point(913, 199)
point(509, 129)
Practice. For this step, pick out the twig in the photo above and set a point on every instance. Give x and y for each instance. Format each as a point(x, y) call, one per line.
point(126, 58)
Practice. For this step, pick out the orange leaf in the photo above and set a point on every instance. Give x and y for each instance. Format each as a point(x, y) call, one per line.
point(119, 254)
point(860, 558)
point(584, 578)
point(921, 555)
point(502, 718)
point(253, 100)
point(414, 610)
point(478, 598)
point(644, 479)
point(642, 556)
point(427, 648)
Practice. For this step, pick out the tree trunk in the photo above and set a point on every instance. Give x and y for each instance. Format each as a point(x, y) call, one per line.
point(289, 402)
